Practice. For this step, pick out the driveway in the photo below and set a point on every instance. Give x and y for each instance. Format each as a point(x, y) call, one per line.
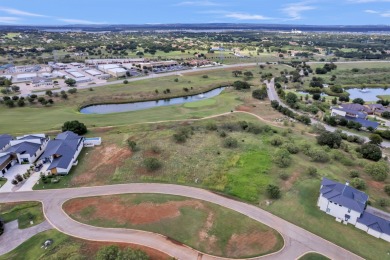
point(34, 178)
point(13, 236)
point(10, 175)
point(297, 240)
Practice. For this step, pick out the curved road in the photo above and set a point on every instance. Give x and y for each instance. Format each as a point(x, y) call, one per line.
point(297, 240)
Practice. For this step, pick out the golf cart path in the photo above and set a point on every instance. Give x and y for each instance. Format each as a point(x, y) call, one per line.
point(297, 241)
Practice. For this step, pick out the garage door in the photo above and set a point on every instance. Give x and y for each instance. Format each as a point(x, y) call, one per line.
point(8, 166)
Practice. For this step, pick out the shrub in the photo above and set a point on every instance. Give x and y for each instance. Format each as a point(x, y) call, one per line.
point(284, 176)
point(387, 189)
point(312, 171)
point(378, 171)
point(132, 145)
point(358, 183)
point(14, 182)
point(382, 202)
point(276, 141)
point(222, 134)
point(375, 139)
point(176, 80)
point(282, 158)
point(330, 139)
point(155, 149)
point(354, 174)
point(211, 126)
point(205, 76)
point(259, 93)
point(370, 152)
point(292, 148)
point(72, 91)
point(152, 164)
point(318, 155)
point(125, 82)
point(19, 178)
point(230, 142)
point(180, 138)
point(273, 191)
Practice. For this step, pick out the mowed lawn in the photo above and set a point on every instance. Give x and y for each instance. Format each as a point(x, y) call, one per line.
point(24, 212)
point(313, 256)
point(213, 229)
point(35, 118)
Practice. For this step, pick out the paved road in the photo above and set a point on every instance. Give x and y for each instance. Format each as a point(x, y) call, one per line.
point(272, 95)
point(297, 240)
point(13, 236)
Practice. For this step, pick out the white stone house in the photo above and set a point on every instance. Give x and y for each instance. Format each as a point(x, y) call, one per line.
point(341, 201)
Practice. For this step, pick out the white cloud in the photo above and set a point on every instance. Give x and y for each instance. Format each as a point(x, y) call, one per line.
point(245, 16)
point(294, 10)
point(5, 19)
point(198, 3)
point(367, 1)
point(382, 14)
point(20, 12)
point(77, 21)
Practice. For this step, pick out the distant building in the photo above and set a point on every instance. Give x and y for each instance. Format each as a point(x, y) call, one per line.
point(26, 77)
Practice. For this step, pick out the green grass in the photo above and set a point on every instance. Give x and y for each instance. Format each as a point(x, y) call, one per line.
point(24, 212)
point(202, 103)
point(219, 224)
point(313, 256)
point(2, 181)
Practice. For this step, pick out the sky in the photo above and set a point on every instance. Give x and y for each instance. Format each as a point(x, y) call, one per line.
point(310, 12)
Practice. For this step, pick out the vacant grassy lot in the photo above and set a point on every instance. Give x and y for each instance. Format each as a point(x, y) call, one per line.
point(214, 230)
point(24, 212)
point(313, 256)
point(66, 247)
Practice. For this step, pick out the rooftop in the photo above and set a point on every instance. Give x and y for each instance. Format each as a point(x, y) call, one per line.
point(4, 140)
point(374, 222)
point(344, 195)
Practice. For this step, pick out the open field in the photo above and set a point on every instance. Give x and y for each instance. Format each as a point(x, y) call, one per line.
point(213, 230)
point(66, 247)
point(23, 212)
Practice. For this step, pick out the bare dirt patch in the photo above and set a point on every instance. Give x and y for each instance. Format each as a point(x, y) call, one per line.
point(290, 182)
point(251, 244)
point(376, 185)
point(90, 248)
point(144, 213)
point(101, 165)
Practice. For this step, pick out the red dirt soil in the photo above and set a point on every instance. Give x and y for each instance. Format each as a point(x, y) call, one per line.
point(103, 161)
point(90, 249)
point(115, 210)
point(249, 244)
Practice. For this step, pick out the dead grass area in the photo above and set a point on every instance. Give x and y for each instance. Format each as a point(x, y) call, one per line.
point(143, 213)
point(287, 185)
point(90, 248)
point(101, 165)
point(250, 243)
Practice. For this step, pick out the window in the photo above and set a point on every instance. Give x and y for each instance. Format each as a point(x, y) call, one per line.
point(340, 205)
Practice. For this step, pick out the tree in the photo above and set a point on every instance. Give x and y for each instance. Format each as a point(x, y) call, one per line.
point(132, 254)
point(125, 81)
point(358, 101)
point(370, 152)
point(273, 191)
point(236, 73)
point(132, 145)
point(378, 170)
point(358, 183)
point(152, 164)
point(49, 93)
point(331, 139)
point(248, 74)
point(376, 139)
point(312, 171)
point(387, 189)
point(386, 114)
point(74, 126)
point(238, 85)
point(316, 96)
point(70, 82)
point(72, 91)
point(291, 98)
point(260, 93)
point(21, 103)
point(9, 103)
point(282, 158)
point(108, 253)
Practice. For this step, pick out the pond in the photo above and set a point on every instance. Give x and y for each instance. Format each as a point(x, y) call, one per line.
point(310, 94)
point(367, 94)
point(134, 106)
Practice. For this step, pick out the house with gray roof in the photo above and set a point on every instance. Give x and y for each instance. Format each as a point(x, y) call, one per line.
point(62, 152)
point(5, 142)
point(341, 201)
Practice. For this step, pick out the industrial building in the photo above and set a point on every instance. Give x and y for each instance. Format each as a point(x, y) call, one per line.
point(93, 72)
point(26, 77)
point(113, 69)
point(75, 73)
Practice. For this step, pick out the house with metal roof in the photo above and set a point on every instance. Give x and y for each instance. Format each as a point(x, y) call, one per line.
point(341, 201)
point(62, 152)
point(345, 112)
point(374, 225)
point(5, 142)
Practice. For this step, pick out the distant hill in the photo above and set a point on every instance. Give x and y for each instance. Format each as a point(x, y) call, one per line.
point(201, 27)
